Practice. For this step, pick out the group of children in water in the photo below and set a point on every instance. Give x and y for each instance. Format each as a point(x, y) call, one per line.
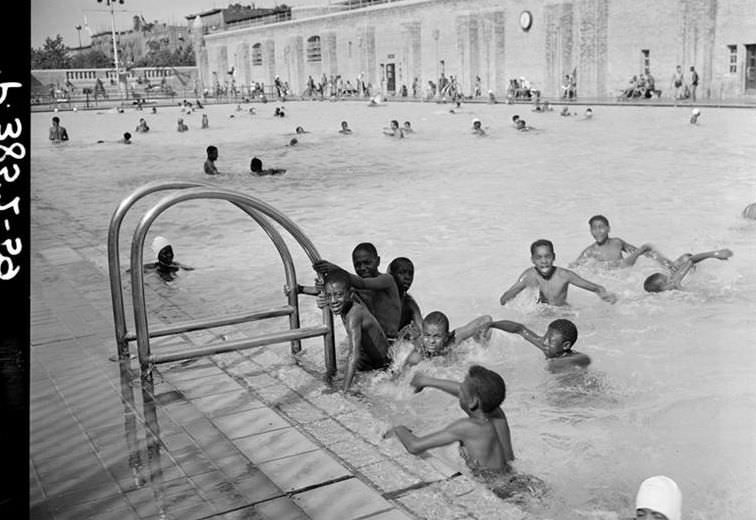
point(377, 311)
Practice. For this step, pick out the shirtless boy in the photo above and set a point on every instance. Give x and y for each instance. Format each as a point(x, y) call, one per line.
point(612, 251)
point(377, 290)
point(556, 343)
point(679, 269)
point(483, 437)
point(411, 320)
point(368, 346)
point(212, 156)
point(552, 281)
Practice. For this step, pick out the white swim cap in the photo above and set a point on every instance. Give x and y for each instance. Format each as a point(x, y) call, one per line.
point(696, 111)
point(476, 120)
point(158, 244)
point(662, 495)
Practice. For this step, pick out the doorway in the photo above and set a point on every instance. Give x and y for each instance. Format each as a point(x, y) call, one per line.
point(750, 69)
point(391, 78)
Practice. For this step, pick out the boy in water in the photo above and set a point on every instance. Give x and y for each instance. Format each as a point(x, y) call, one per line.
point(483, 437)
point(256, 167)
point(679, 269)
point(612, 251)
point(407, 128)
point(212, 156)
point(58, 133)
point(142, 126)
point(345, 128)
point(180, 126)
point(694, 115)
point(515, 119)
point(377, 290)
point(368, 346)
point(556, 344)
point(552, 281)
point(477, 128)
point(126, 139)
point(437, 340)
point(165, 266)
point(411, 320)
point(205, 121)
point(394, 130)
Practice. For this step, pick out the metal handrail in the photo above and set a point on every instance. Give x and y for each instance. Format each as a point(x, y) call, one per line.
point(114, 261)
point(255, 206)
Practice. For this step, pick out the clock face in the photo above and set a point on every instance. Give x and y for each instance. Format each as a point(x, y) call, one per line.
point(526, 20)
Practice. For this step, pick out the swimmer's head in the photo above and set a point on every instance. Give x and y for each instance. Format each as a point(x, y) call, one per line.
point(403, 271)
point(338, 290)
point(56, 120)
point(542, 255)
point(476, 123)
point(212, 152)
point(365, 260)
point(300, 130)
point(696, 112)
point(658, 497)
point(407, 125)
point(435, 331)
point(126, 136)
point(599, 225)
point(657, 282)
point(255, 165)
point(515, 118)
point(560, 336)
point(521, 124)
point(293, 141)
point(482, 389)
point(344, 125)
point(394, 124)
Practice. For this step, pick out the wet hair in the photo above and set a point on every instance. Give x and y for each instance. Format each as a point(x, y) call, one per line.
point(212, 148)
point(299, 130)
point(344, 123)
point(601, 218)
point(655, 283)
point(394, 265)
point(395, 122)
point(56, 119)
point(407, 123)
point(126, 135)
point(437, 318)
point(487, 386)
point(339, 276)
point(566, 328)
point(255, 164)
point(293, 141)
point(515, 118)
point(521, 123)
point(367, 247)
point(539, 243)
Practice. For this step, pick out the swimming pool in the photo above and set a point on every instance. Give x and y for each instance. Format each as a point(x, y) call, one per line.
point(670, 389)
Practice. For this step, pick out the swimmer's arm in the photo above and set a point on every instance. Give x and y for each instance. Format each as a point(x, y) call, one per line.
point(413, 359)
point(354, 337)
point(518, 328)
point(583, 256)
point(578, 281)
point(183, 266)
point(416, 445)
point(325, 267)
point(378, 283)
point(469, 330)
point(516, 289)
point(627, 247)
point(577, 359)
point(64, 135)
point(420, 381)
point(635, 254)
point(417, 316)
point(721, 254)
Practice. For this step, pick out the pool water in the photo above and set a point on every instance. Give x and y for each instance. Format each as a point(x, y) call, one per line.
point(671, 388)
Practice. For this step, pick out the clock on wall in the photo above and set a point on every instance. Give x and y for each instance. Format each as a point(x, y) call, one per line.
point(526, 20)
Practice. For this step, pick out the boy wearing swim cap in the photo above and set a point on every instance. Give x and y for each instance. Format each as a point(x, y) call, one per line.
point(611, 251)
point(658, 498)
point(483, 436)
point(679, 269)
point(556, 343)
point(368, 346)
point(165, 266)
point(552, 281)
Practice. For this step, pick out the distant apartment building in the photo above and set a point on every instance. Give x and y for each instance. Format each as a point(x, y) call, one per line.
point(486, 43)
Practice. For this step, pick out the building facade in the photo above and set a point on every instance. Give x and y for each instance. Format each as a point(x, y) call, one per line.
point(134, 44)
point(603, 43)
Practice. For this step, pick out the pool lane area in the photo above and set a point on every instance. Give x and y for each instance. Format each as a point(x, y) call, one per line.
point(235, 435)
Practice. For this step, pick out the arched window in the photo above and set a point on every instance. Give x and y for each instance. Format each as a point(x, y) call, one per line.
point(257, 54)
point(313, 49)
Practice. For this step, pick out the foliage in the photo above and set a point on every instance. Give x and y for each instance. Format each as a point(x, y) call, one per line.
point(94, 59)
point(158, 56)
point(52, 55)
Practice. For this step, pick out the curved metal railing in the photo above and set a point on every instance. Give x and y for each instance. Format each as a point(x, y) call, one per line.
point(260, 212)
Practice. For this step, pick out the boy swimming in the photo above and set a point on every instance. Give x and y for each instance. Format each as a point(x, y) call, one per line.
point(212, 156)
point(393, 130)
point(679, 269)
point(556, 344)
point(256, 167)
point(368, 346)
point(477, 129)
point(552, 281)
point(142, 126)
point(612, 251)
point(345, 128)
point(411, 320)
point(377, 290)
point(483, 437)
point(166, 267)
point(407, 127)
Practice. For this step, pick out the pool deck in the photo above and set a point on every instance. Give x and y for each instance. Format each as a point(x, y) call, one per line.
point(231, 436)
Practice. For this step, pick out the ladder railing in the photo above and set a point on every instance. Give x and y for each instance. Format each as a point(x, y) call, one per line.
point(260, 212)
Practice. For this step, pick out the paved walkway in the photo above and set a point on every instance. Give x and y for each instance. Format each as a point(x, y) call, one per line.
point(236, 435)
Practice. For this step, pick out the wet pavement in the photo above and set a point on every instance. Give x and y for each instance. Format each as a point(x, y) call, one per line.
point(235, 435)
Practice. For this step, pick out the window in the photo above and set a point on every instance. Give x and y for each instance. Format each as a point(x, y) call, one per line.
point(733, 58)
point(646, 56)
point(257, 54)
point(313, 49)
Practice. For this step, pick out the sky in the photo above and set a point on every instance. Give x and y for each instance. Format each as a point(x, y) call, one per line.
point(52, 17)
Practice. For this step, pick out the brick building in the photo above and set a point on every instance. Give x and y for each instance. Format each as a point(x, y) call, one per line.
point(603, 42)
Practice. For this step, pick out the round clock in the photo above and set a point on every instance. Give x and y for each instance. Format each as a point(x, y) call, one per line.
point(526, 20)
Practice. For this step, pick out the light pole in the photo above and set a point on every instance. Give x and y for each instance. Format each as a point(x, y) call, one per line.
point(78, 28)
point(110, 4)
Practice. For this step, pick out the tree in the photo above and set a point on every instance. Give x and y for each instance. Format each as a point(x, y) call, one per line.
point(52, 55)
point(93, 59)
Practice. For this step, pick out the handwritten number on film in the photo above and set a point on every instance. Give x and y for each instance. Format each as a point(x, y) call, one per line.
point(12, 246)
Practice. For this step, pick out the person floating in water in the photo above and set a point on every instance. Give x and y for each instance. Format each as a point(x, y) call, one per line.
point(679, 269)
point(142, 126)
point(126, 139)
point(694, 115)
point(393, 130)
point(368, 346)
point(551, 281)
point(484, 439)
point(181, 126)
point(58, 133)
point(411, 320)
point(205, 121)
point(556, 344)
point(212, 156)
point(611, 251)
point(658, 498)
point(256, 167)
point(345, 128)
point(377, 290)
point(477, 128)
point(436, 340)
point(165, 266)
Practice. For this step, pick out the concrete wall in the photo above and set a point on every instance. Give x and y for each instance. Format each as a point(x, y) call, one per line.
point(600, 40)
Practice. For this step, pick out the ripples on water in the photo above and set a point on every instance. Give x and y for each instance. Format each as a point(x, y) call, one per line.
point(670, 389)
